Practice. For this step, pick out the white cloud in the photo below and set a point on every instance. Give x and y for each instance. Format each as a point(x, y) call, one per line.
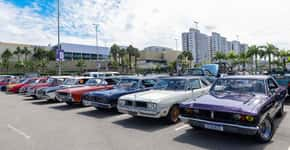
point(150, 22)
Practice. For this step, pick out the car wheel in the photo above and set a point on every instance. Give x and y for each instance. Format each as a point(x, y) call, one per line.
point(281, 111)
point(266, 130)
point(173, 114)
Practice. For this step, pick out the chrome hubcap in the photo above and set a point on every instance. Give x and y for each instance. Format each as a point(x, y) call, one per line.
point(266, 129)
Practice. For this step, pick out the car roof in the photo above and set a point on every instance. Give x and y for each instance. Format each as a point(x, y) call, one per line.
point(260, 77)
point(138, 77)
point(183, 77)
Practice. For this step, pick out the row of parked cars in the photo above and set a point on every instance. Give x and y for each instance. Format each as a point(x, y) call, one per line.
point(237, 104)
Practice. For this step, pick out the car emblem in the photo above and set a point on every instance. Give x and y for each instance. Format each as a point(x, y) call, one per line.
point(212, 114)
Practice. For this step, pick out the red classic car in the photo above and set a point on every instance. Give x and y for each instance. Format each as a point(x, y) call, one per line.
point(24, 88)
point(74, 95)
point(16, 87)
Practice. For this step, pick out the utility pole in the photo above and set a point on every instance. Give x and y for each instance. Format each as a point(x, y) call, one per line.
point(176, 43)
point(58, 39)
point(97, 43)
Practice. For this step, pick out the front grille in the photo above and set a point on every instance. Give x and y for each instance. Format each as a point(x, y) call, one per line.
point(129, 103)
point(63, 94)
point(141, 104)
point(40, 92)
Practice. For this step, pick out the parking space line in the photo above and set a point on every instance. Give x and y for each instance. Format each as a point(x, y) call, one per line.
point(18, 131)
point(182, 127)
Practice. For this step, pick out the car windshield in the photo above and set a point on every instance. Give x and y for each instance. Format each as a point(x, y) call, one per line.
point(128, 83)
point(195, 72)
point(171, 84)
point(50, 80)
point(239, 85)
point(93, 82)
point(26, 81)
point(69, 82)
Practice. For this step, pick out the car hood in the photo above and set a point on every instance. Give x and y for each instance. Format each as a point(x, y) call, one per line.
point(235, 103)
point(154, 96)
point(115, 91)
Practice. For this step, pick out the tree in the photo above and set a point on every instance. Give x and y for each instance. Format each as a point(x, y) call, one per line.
point(284, 54)
point(130, 51)
point(254, 52)
point(136, 56)
point(243, 59)
point(6, 55)
point(122, 54)
point(18, 53)
point(26, 53)
point(268, 51)
point(81, 64)
point(219, 56)
point(114, 52)
point(19, 66)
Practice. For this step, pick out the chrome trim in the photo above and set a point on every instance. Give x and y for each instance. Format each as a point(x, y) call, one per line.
point(185, 119)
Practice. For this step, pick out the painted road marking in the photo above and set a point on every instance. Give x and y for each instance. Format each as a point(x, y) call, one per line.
point(18, 131)
point(182, 127)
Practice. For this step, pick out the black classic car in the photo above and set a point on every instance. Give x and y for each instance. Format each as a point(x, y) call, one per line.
point(238, 104)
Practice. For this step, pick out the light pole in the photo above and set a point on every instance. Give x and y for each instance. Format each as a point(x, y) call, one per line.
point(97, 43)
point(58, 40)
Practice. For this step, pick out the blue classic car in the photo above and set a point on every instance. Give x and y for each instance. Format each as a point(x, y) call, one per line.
point(108, 99)
point(201, 72)
point(238, 104)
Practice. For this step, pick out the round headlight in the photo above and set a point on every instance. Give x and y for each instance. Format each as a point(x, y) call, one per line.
point(250, 118)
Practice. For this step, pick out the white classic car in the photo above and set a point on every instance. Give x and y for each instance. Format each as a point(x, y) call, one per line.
point(163, 100)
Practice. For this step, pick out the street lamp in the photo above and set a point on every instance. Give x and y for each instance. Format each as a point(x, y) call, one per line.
point(58, 40)
point(97, 42)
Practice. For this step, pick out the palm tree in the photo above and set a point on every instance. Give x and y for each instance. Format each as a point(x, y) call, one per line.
point(243, 59)
point(284, 54)
point(189, 57)
point(130, 52)
point(18, 53)
point(6, 55)
point(114, 52)
point(232, 57)
point(268, 51)
point(136, 56)
point(122, 54)
point(219, 56)
point(254, 52)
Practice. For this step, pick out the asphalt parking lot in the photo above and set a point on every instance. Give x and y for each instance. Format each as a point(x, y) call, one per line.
point(27, 124)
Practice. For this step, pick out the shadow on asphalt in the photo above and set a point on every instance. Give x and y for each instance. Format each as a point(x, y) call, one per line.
point(100, 113)
point(29, 99)
point(207, 139)
point(45, 102)
point(66, 107)
point(144, 124)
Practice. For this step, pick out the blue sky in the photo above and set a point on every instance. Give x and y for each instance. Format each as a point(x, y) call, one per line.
point(144, 23)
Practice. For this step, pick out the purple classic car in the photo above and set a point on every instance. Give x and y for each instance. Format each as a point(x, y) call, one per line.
point(238, 104)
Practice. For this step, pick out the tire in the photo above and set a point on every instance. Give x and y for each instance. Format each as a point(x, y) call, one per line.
point(172, 116)
point(266, 130)
point(281, 111)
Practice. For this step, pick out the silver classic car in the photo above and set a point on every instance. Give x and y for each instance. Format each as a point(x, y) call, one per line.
point(163, 100)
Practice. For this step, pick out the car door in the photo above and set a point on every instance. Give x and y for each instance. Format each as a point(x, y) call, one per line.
point(273, 93)
point(196, 88)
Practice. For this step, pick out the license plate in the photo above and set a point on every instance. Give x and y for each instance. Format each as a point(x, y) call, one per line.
point(214, 127)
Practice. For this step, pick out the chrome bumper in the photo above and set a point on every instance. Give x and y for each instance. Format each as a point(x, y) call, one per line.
point(97, 104)
point(225, 127)
point(139, 112)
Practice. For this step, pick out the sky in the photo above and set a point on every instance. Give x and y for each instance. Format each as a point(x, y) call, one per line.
point(144, 22)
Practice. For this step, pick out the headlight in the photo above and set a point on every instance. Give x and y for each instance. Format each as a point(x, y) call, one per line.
point(152, 106)
point(237, 116)
point(250, 118)
point(122, 102)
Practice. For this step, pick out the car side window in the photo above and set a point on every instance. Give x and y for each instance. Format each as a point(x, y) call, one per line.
point(148, 83)
point(272, 85)
point(195, 84)
point(207, 73)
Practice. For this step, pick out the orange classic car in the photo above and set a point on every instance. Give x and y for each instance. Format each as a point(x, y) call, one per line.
point(74, 95)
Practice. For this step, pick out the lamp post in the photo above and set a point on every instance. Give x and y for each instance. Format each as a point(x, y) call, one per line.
point(176, 43)
point(97, 43)
point(58, 40)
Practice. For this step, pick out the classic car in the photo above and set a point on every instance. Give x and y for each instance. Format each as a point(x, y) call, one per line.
point(163, 100)
point(37, 80)
point(51, 81)
point(282, 78)
point(73, 95)
point(108, 99)
point(238, 104)
point(49, 93)
point(14, 88)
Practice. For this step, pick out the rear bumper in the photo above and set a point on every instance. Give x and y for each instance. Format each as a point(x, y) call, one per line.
point(224, 127)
